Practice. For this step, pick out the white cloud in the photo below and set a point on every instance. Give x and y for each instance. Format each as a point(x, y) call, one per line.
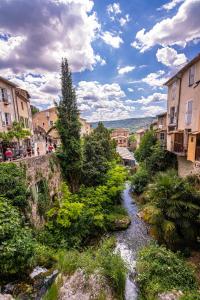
point(181, 29)
point(124, 20)
point(125, 69)
point(114, 9)
point(170, 5)
point(48, 35)
point(152, 110)
point(156, 79)
point(103, 101)
point(169, 57)
point(140, 89)
point(130, 90)
point(111, 39)
point(154, 98)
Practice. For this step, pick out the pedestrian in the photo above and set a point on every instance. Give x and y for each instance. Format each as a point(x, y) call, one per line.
point(50, 148)
point(29, 151)
point(38, 151)
point(8, 154)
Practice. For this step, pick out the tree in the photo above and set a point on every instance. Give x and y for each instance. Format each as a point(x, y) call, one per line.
point(69, 127)
point(34, 110)
point(173, 210)
point(98, 151)
point(17, 131)
point(145, 148)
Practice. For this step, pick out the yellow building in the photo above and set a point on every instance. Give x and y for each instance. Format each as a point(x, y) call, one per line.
point(139, 135)
point(46, 119)
point(14, 106)
point(183, 119)
point(161, 131)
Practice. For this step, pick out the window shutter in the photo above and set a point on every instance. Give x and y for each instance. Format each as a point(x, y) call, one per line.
point(1, 94)
point(3, 118)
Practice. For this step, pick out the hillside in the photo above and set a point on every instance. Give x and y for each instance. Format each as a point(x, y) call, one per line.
point(133, 123)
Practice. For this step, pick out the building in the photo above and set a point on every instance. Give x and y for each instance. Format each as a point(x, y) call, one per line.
point(183, 117)
point(139, 135)
point(44, 121)
point(121, 136)
point(14, 106)
point(161, 131)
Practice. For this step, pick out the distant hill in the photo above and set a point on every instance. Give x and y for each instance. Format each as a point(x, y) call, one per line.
point(133, 123)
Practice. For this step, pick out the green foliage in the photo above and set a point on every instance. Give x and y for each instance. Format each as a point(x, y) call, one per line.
point(69, 127)
point(191, 296)
point(160, 270)
point(77, 217)
point(98, 151)
point(16, 242)
point(140, 180)
point(17, 131)
point(43, 203)
point(132, 138)
point(103, 259)
point(173, 210)
point(34, 110)
point(13, 185)
point(145, 148)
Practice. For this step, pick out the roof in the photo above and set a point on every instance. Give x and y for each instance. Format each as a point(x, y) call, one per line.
point(7, 81)
point(125, 153)
point(162, 115)
point(179, 74)
point(140, 130)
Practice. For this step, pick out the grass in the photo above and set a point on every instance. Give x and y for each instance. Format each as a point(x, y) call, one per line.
point(109, 264)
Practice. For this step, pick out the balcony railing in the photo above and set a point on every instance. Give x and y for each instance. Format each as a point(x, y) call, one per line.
point(197, 153)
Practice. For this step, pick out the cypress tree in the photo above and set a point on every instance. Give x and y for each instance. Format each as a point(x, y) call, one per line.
point(69, 128)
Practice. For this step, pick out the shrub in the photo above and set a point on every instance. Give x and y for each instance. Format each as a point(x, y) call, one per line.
point(13, 177)
point(145, 148)
point(16, 243)
point(140, 180)
point(173, 209)
point(160, 270)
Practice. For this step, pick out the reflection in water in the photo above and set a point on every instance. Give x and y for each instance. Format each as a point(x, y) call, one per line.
point(130, 241)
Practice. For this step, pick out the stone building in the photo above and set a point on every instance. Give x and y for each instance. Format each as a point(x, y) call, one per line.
point(121, 136)
point(183, 117)
point(161, 131)
point(139, 135)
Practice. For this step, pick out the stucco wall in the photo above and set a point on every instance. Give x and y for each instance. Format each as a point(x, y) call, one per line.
point(186, 167)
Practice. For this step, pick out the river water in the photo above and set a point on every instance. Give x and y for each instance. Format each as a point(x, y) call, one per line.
point(130, 241)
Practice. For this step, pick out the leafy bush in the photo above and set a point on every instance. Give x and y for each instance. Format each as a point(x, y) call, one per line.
point(13, 177)
point(102, 259)
point(16, 242)
point(173, 210)
point(160, 270)
point(191, 296)
point(145, 148)
point(140, 180)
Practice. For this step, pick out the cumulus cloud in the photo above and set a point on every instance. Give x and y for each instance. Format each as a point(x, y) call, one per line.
point(114, 9)
point(169, 57)
point(124, 20)
point(105, 101)
point(154, 79)
point(152, 110)
point(130, 90)
point(181, 29)
point(112, 39)
point(39, 33)
point(125, 69)
point(154, 98)
point(170, 5)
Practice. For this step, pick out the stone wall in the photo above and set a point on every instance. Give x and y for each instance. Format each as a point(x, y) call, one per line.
point(186, 167)
point(41, 168)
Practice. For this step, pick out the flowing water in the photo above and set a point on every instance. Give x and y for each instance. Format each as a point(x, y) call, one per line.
point(130, 241)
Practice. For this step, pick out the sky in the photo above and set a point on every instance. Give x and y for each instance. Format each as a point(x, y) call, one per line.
point(120, 52)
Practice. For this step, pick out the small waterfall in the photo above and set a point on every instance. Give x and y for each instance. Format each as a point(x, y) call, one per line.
point(130, 241)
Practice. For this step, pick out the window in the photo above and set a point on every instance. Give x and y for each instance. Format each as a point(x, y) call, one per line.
point(174, 91)
point(22, 105)
point(7, 119)
point(162, 136)
point(188, 117)
point(172, 115)
point(191, 75)
point(3, 94)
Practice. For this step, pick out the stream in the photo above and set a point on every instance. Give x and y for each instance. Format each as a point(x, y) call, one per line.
point(130, 241)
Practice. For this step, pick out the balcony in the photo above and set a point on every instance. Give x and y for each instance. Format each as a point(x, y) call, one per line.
point(178, 146)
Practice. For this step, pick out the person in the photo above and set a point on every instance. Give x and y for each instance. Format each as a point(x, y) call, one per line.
point(55, 146)
point(8, 154)
point(29, 151)
point(38, 151)
point(50, 148)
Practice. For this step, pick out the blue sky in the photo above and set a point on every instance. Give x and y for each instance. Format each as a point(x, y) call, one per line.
point(120, 52)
